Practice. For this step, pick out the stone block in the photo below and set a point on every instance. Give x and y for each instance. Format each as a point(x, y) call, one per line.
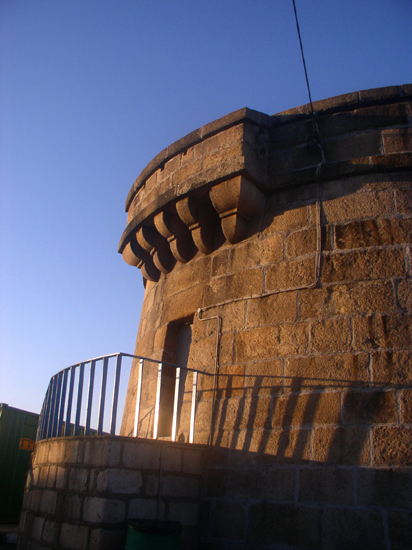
point(184, 276)
point(182, 305)
point(187, 171)
point(374, 297)
point(404, 201)
point(375, 232)
point(387, 488)
point(370, 407)
point(363, 265)
point(326, 485)
point(306, 409)
point(392, 367)
point(192, 462)
point(35, 476)
point(103, 510)
point(256, 252)
point(229, 521)
point(102, 452)
point(151, 485)
point(50, 532)
point(78, 479)
point(400, 529)
point(48, 502)
point(286, 220)
point(61, 477)
point(284, 524)
point(175, 486)
point(383, 331)
point(269, 310)
point(397, 140)
point(105, 539)
point(265, 377)
point(172, 459)
point(232, 314)
point(359, 205)
point(218, 141)
point(301, 243)
point(57, 451)
point(34, 497)
point(74, 452)
point(37, 529)
point(72, 507)
point(73, 537)
point(239, 285)
point(280, 446)
point(184, 512)
point(290, 274)
point(145, 508)
point(119, 481)
point(42, 452)
point(404, 294)
point(392, 445)
point(220, 262)
point(331, 335)
point(345, 446)
point(406, 406)
point(51, 478)
point(328, 370)
point(43, 476)
point(352, 529)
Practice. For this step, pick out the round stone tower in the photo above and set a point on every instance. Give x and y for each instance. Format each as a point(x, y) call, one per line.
point(276, 255)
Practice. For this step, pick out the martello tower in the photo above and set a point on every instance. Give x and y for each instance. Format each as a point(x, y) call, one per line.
point(281, 260)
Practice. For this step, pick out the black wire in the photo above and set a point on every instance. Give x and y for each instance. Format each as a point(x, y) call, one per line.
point(303, 56)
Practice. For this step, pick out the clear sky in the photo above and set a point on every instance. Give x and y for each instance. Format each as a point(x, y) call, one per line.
point(90, 92)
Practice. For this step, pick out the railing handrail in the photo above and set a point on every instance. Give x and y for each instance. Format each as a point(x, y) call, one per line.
point(53, 418)
point(108, 356)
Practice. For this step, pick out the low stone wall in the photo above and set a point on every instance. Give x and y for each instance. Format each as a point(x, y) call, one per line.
point(252, 501)
point(81, 491)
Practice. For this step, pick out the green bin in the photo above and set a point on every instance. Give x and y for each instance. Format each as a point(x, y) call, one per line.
point(153, 534)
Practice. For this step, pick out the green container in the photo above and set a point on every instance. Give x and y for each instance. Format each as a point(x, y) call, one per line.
point(17, 436)
point(145, 534)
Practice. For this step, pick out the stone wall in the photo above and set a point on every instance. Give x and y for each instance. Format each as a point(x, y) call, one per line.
point(81, 491)
point(307, 263)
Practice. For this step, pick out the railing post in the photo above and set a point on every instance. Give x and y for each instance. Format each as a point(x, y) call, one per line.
point(193, 411)
point(102, 395)
point(115, 394)
point(79, 399)
point(138, 398)
point(90, 398)
point(52, 407)
point(157, 404)
point(70, 401)
point(175, 404)
point(62, 402)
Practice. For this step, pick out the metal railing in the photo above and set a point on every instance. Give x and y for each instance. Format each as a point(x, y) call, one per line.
point(63, 402)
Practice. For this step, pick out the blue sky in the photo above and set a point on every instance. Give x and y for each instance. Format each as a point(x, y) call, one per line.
point(90, 92)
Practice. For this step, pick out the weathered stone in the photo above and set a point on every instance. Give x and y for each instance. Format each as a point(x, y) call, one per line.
point(102, 510)
point(352, 529)
point(385, 487)
point(119, 481)
point(346, 446)
point(376, 407)
point(306, 409)
point(73, 537)
point(392, 445)
point(284, 524)
point(229, 521)
point(326, 485)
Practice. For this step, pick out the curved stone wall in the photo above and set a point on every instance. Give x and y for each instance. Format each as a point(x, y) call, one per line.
point(306, 260)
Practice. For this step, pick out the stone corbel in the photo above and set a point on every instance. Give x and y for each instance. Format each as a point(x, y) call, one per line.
point(177, 234)
point(236, 201)
point(200, 219)
point(158, 247)
point(135, 255)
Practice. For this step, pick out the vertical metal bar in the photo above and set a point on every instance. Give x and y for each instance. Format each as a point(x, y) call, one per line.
point(89, 398)
point(102, 395)
point(193, 411)
point(157, 405)
point(70, 401)
point(57, 403)
point(62, 402)
point(51, 409)
point(41, 432)
point(175, 404)
point(115, 394)
point(79, 399)
point(138, 398)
